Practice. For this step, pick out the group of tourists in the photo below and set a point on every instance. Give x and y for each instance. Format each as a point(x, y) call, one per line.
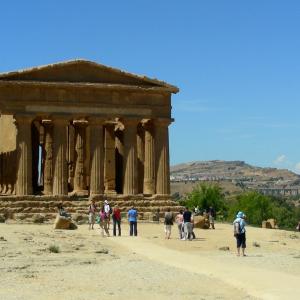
point(106, 213)
point(184, 221)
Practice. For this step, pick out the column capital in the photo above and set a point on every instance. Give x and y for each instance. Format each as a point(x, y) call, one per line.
point(80, 123)
point(47, 122)
point(162, 122)
point(147, 123)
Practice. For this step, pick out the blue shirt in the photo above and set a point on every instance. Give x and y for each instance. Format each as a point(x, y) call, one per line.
point(132, 215)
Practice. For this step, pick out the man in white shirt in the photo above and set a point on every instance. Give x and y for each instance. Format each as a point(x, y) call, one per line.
point(107, 210)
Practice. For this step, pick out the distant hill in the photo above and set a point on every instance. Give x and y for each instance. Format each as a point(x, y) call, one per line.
point(236, 172)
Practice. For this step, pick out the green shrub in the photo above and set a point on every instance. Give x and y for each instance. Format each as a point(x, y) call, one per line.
point(54, 249)
point(205, 195)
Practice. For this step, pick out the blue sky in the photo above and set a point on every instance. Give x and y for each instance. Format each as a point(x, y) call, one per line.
point(237, 64)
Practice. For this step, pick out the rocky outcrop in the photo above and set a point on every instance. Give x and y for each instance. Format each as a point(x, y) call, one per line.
point(64, 223)
point(269, 224)
point(201, 222)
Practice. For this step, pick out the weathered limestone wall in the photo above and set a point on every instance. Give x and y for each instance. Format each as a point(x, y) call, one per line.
point(8, 134)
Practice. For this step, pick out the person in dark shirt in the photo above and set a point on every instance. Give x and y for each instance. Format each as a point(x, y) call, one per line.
point(62, 212)
point(211, 215)
point(187, 224)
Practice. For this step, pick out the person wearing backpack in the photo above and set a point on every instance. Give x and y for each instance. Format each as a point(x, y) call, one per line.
point(168, 223)
point(239, 232)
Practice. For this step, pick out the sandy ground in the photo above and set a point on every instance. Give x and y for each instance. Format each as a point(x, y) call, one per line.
point(89, 266)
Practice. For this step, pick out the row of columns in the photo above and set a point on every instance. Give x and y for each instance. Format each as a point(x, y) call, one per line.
point(154, 154)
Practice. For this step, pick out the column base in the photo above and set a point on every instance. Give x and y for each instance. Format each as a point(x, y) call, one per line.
point(110, 192)
point(96, 197)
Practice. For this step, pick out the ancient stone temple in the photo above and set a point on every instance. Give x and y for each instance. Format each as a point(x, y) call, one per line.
point(77, 130)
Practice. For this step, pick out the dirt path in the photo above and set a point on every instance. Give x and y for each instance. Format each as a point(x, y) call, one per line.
point(89, 266)
point(255, 281)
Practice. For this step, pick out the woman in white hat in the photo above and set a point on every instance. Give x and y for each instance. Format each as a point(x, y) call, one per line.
point(240, 232)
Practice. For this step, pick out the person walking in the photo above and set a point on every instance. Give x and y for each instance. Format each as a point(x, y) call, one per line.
point(179, 222)
point(92, 213)
point(132, 219)
point(211, 216)
point(103, 221)
point(168, 223)
point(116, 217)
point(240, 232)
point(187, 224)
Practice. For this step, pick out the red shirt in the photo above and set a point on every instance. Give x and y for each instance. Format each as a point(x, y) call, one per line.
point(117, 214)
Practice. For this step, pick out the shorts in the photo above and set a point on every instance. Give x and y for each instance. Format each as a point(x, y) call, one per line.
point(91, 218)
point(241, 240)
point(211, 219)
point(168, 228)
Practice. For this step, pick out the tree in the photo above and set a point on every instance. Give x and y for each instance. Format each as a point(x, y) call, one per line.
point(256, 206)
point(205, 195)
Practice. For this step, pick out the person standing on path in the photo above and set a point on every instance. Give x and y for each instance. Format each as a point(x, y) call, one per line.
point(179, 222)
point(211, 216)
point(103, 221)
point(107, 210)
point(132, 219)
point(116, 216)
point(240, 232)
point(168, 223)
point(187, 224)
point(92, 213)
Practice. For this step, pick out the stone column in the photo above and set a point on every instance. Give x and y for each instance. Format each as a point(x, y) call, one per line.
point(24, 147)
point(97, 157)
point(149, 164)
point(109, 161)
point(48, 157)
point(71, 155)
point(140, 157)
point(130, 157)
point(60, 174)
point(162, 156)
point(80, 146)
point(1, 172)
point(119, 159)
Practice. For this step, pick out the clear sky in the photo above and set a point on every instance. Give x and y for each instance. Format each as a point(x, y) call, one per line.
point(237, 64)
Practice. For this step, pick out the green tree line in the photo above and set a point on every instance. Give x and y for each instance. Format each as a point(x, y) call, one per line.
point(256, 206)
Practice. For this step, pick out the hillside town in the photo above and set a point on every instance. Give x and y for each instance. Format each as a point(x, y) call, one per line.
point(268, 181)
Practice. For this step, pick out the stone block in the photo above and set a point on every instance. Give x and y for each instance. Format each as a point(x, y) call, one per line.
point(201, 222)
point(64, 223)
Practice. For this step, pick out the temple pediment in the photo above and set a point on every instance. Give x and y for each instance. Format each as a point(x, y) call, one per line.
point(82, 71)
